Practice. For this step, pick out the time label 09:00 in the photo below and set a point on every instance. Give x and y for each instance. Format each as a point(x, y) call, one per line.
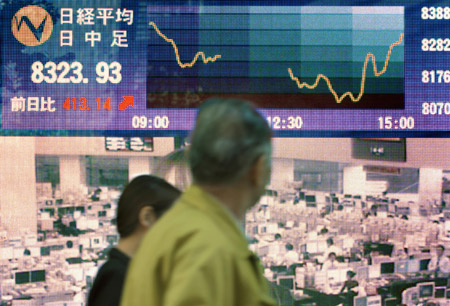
point(144, 122)
point(64, 73)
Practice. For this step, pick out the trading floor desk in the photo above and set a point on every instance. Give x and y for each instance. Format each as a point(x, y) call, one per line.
point(412, 291)
point(320, 299)
point(423, 286)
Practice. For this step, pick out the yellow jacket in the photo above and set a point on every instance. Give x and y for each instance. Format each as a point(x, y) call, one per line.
point(195, 255)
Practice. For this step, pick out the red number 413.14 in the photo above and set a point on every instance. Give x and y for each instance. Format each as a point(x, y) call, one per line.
point(81, 104)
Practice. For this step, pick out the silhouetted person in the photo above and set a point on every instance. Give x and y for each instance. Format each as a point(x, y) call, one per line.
point(143, 201)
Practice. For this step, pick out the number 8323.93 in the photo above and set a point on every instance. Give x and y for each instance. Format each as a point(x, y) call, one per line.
point(65, 73)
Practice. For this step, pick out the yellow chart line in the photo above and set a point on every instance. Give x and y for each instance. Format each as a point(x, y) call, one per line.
point(363, 79)
point(175, 48)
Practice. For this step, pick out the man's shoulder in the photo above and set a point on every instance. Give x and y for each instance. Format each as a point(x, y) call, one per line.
point(184, 224)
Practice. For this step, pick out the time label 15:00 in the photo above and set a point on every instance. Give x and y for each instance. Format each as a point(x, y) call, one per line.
point(392, 123)
point(144, 122)
point(64, 73)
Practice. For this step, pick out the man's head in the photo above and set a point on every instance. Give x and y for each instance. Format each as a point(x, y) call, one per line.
point(332, 256)
point(330, 241)
point(440, 250)
point(350, 274)
point(231, 145)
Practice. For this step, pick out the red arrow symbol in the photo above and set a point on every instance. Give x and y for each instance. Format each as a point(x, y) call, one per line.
point(127, 101)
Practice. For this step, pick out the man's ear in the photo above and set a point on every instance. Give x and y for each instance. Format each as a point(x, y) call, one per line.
point(147, 217)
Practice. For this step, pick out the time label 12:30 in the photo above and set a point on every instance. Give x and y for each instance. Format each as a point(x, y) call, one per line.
point(290, 123)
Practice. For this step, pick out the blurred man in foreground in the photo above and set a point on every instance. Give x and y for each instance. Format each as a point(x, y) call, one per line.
point(197, 254)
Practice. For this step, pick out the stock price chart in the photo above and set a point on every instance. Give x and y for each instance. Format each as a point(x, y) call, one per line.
point(145, 67)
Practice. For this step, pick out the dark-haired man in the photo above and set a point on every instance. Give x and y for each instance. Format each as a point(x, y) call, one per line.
point(440, 264)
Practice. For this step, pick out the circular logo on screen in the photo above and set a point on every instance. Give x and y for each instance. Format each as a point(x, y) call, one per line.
point(32, 25)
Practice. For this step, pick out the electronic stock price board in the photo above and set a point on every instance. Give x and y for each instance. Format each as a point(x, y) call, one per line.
point(317, 67)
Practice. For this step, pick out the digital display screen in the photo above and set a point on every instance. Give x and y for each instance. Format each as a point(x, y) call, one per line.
point(146, 66)
point(287, 282)
point(362, 273)
point(413, 266)
point(387, 267)
point(22, 277)
point(401, 267)
point(426, 290)
point(360, 300)
point(95, 93)
point(439, 292)
point(424, 264)
point(310, 198)
point(391, 302)
point(38, 276)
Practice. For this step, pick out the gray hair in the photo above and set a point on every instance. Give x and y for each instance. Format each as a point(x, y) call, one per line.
point(228, 138)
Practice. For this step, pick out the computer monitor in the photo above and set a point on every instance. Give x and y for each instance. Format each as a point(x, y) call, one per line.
point(401, 267)
point(424, 264)
point(286, 281)
point(410, 296)
point(374, 271)
point(426, 290)
point(360, 301)
point(374, 300)
point(45, 251)
point(391, 302)
point(301, 195)
point(439, 292)
point(335, 200)
point(310, 200)
point(440, 282)
point(357, 197)
point(279, 269)
point(22, 277)
point(38, 276)
point(387, 267)
point(362, 273)
point(413, 266)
